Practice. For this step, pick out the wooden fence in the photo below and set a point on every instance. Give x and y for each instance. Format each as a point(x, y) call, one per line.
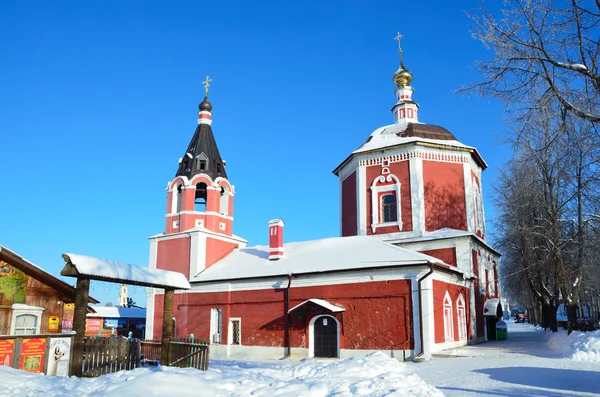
point(103, 356)
point(188, 354)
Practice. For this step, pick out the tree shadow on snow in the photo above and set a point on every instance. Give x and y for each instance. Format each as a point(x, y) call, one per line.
point(509, 392)
point(550, 378)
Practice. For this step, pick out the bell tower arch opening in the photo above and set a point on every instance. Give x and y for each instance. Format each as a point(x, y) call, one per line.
point(200, 197)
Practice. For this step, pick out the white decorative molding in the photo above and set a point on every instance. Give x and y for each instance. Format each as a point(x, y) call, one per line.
point(403, 154)
point(19, 309)
point(376, 206)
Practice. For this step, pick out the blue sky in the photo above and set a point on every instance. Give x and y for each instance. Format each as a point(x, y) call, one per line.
point(99, 101)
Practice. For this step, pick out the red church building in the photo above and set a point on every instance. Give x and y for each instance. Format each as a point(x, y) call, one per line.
point(411, 274)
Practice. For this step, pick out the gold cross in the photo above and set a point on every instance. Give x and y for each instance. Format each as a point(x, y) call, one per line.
point(398, 37)
point(206, 85)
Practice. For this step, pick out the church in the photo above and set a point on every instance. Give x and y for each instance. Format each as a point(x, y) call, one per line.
point(410, 275)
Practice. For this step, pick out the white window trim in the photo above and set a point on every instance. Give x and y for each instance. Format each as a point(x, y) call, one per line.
point(19, 309)
point(216, 324)
point(176, 198)
point(230, 331)
point(224, 200)
point(376, 205)
point(462, 320)
point(448, 320)
point(311, 335)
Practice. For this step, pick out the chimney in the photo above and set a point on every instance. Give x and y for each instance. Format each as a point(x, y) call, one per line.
point(275, 239)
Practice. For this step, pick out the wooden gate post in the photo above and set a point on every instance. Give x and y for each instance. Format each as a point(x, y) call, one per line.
point(167, 328)
point(81, 304)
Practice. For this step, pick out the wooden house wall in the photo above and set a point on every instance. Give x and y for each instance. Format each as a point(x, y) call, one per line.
point(39, 294)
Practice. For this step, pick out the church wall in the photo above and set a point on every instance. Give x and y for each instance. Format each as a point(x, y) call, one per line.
point(439, 291)
point(349, 222)
point(479, 297)
point(378, 314)
point(174, 254)
point(217, 250)
point(401, 170)
point(448, 255)
point(444, 196)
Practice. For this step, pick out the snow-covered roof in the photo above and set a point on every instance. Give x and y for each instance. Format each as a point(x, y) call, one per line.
point(392, 135)
point(117, 312)
point(119, 272)
point(314, 256)
point(323, 303)
point(32, 270)
point(388, 136)
point(444, 233)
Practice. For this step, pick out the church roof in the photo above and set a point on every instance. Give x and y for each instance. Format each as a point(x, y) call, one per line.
point(202, 156)
point(314, 256)
point(406, 133)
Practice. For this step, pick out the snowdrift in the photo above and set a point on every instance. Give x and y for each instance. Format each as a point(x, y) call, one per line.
point(579, 346)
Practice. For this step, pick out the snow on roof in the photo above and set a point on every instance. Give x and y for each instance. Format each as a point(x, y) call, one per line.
point(117, 312)
point(119, 272)
point(314, 256)
point(322, 303)
point(386, 136)
point(427, 236)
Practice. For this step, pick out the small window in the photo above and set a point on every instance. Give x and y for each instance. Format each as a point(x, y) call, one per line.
point(202, 165)
point(235, 331)
point(388, 208)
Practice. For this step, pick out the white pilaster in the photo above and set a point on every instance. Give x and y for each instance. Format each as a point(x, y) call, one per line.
point(417, 194)
point(361, 199)
point(428, 317)
point(197, 253)
point(469, 197)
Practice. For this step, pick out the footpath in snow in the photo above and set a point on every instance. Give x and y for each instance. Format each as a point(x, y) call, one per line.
point(532, 362)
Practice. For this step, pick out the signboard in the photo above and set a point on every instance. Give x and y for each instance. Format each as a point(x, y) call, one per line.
point(94, 324)
point(53, 322)
point(32, 355)
point(111, 323)
point(67, 323)
point(6, 352)
point(59, 353)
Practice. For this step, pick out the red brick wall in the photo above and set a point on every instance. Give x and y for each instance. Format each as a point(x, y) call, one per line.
point(174, 254)
point(448, 255)
point(439, 291)
point(349, 222)
point(378, 315)
point(402, 171)
point(217, 250)
point(444, 196)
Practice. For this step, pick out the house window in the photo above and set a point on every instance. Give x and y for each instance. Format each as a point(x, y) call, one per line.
point(462, 317)
point(26, 324)
point(215, 325)
point(26, 320)
point(235, 331)
point(448, 323)
point(388, 208)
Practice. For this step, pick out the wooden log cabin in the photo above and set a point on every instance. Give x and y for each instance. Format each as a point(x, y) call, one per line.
point(32, 301)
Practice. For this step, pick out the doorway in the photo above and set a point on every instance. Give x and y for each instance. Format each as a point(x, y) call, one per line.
point(325, 331)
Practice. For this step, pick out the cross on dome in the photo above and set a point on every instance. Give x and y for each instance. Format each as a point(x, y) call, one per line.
point(397, 38)
point(206, 84)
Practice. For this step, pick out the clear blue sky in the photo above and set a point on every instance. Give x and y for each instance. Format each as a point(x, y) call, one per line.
point(99, 100)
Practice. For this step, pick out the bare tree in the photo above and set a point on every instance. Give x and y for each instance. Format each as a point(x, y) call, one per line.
point(542, 51)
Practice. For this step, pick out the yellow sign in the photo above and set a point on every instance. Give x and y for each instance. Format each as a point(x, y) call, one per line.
point(69, 306)
point(53, 322)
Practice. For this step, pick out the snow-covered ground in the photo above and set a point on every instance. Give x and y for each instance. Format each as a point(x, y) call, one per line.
point(531, 363)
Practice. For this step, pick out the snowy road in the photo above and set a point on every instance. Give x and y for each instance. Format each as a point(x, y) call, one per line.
point(522, 366)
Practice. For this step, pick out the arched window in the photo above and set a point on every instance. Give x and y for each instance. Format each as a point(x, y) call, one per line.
point(176, 205)
point(462, 317)
point(448, 321)
point(200, 197)
point(388, 208)
point(224, 200)
point(385, 201)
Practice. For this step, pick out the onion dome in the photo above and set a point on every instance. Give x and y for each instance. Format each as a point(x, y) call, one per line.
point(205, 105)
point(402, 77)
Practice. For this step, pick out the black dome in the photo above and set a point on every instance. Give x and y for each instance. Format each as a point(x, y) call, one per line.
point(205, 105)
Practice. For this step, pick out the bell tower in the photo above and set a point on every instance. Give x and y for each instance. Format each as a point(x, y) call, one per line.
point(199, 212)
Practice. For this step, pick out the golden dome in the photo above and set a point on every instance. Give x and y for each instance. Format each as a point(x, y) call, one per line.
point(402, 77)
